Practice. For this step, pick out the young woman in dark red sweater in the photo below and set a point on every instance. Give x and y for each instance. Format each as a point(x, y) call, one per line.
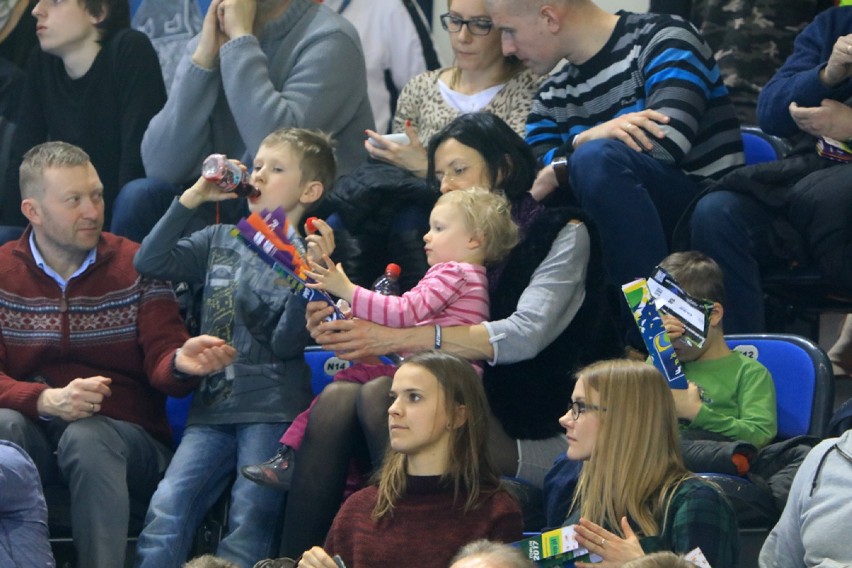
point(437, 489)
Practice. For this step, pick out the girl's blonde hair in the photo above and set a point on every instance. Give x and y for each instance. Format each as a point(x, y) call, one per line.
point(487, 214)
point(636, 464)
point(469, 467)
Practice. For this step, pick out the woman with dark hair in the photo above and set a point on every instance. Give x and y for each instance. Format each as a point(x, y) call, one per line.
point(436, 480)
point(549, 316)
point(511, 165)
point(385, 203)
point(93, 82)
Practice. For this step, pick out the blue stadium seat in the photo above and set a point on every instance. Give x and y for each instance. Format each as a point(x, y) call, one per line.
point(804, 390)
point(804, 383)
point(761, 147)
point(324, 364)
point(177, 410)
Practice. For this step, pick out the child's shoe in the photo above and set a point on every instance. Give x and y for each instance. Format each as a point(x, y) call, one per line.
point(276, 473)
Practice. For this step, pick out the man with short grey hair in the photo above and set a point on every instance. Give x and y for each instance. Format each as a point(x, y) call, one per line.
point(88, 350)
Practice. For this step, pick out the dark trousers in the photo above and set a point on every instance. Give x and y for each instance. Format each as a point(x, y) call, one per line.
point(105, 464)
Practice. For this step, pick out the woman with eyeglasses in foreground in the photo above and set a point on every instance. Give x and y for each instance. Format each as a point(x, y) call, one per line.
point(436, 490)
point(634, 495)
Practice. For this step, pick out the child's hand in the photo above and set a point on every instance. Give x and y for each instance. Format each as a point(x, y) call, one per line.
point(687, 402)
point(204, 190)
point(320, 239)
point(674, 327)
point(331, 278)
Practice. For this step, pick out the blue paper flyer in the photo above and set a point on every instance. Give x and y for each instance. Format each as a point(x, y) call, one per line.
point(653, 332)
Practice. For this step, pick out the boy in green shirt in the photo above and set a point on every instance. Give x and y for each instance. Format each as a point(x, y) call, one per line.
point(730, 396)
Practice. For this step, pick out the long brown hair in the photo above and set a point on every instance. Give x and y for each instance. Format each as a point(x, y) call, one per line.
point(636, 464)
point(469, 467)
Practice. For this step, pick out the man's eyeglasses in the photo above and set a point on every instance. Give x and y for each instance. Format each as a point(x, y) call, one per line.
point(476, 26)
point(578, 407)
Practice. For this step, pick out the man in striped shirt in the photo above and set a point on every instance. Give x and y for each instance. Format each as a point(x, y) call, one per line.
point(631, 124)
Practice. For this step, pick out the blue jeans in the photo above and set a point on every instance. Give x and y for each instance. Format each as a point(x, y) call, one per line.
point(201, 470)
point(735, 230)
point(635, 202)
point(139, 205)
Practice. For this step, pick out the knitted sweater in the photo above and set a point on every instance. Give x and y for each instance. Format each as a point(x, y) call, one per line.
point(555, 301)
point(109, 322)
point(426, 528)
point(306, 70)
point(650, 62)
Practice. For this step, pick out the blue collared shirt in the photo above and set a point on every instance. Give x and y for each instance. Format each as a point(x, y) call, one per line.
point(63, 283)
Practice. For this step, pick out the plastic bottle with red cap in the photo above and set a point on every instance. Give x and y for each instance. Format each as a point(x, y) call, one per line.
point(388, 283)
point(228, 176)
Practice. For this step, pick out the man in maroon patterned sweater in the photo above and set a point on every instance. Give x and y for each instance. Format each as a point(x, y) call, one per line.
point(87, 350)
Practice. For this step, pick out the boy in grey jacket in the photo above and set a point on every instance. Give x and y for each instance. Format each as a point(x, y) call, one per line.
point(237, 415)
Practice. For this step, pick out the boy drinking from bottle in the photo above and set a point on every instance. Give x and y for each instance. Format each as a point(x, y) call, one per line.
point(237, 415)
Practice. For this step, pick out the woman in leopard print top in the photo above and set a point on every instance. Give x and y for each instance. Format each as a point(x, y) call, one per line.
point(481, 79)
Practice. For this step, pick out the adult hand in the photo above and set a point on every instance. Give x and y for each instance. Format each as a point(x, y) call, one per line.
point(321, 242)
point(634, 129)
point(350, 339)
point(315, 314)
point(832, 119)
point(317, 558)
point(687, 402)
point(206, 53)
point(203, 355)
point(78, 399)
point(545, 183)
point(839, 66)
point(411, 156)
point(614, 550)
point(236, 17)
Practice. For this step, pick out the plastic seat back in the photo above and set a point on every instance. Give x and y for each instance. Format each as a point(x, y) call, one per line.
point(760, 147)
point(804, 384)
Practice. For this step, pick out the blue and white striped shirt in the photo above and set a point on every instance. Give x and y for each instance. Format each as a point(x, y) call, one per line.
point(650, 62)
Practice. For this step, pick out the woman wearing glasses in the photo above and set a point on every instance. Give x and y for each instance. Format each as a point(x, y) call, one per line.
point(481, 79)
point(634, 495)
point(384, 205)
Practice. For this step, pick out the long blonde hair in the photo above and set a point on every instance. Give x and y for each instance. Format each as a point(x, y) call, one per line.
point(636, 464)
point(469, 467)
